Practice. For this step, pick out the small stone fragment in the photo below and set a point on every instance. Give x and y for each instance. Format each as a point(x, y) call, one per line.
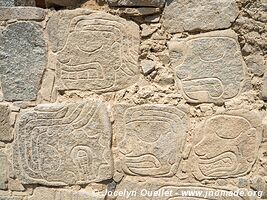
point(137, 3)
point(147, 66)
point(22, 13)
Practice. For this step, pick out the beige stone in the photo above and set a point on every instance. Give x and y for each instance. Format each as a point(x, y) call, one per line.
point(149, 139)
point(136, 3)
point(167, 190)
point(209, 67)
point(227, 145)
point(22, 13)
point(96, 51)
point(5, 127)
point(195, 15)
point(41, 193)
point(3, 170)
point(60, 144)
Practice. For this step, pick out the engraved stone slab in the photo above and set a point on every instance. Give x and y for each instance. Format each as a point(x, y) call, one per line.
point(23, 57)
point(169, 190)
point(136, 3)
point(159, 132)
point(5, 127)
point(209, 67)
point(3, 170)
point(194, 15)
point(42, 193)
point(22, 13)
point(227, 145)
point(59, 144)
point(95, 51)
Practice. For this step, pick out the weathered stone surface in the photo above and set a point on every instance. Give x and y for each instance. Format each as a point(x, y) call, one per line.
point(264, 87)
point(147, 66)
point(7, 3)
point(136, 3)
point(3, 170)
point(227, 145)
point(209, 67)
point(10, 198)
point(166, 190)
point(62, 2)
point(193, 15)
point(140, 11)
point(22, 13)
point(17, 3)
point(59, 144)
point(42, 193)
point(23, 57)
point(158, 131)
point(5, 128)
point(95, 51)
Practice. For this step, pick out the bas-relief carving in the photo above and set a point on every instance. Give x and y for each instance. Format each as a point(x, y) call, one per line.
point(150, 139)
point(59, 144)
point(227, 145)
point(95, 51)
point(209, 67)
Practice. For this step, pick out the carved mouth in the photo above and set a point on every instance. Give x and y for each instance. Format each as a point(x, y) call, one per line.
point(218, 166)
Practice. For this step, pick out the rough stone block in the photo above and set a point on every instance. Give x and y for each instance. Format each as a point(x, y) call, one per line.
point(59, 144)
point(17, 3)
point(23, 57)
point(194, 15)
point(3, 170)
point(62, 2)
point(22, 13)
point(95, 51)
point(42, 193)
point(264, 87)
point(227, 145)
point(7, 2)
point(209, 67)
point(158, 131)
point(136, 3)
point(5, 128)
point(10, 198)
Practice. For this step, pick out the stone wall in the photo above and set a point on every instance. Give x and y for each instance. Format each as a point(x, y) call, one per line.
point(123, 95)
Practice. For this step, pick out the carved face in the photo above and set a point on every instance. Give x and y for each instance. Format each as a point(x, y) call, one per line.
point(228, 147)
point(153, 140)
point(210, 69)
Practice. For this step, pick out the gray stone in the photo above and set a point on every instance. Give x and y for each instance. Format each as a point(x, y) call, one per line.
point(41, 193)
point(23, 57)
point(264, 87)
point(51, 3)
point(140, 11)
point(60, 144)
point(194, 15)
point(147, 66)
point(209, 67)
point(7, 3)
point(22, 13)
point(159, 132)
point(256, 64)
point(136, 3)
point(95, 51)
point(5, 127)
point(3, 170)
point(17, 3)
point(226, 145)
point(10, 198)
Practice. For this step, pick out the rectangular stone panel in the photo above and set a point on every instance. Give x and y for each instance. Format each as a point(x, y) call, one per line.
point(60, 144)
point(195, 15)
point(23, 58)
point(149, 139)
point(209, 67)
point(41, 193)
point(154, 189)
point(5, 127)
point(95, 51)
point(22, 13)
point(226, 145)
point(136, 3)
point(3, 170)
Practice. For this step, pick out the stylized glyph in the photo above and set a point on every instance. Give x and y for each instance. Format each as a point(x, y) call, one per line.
point(95, 51)
point(58, 144)
point(209, 67)
point(151, 139)
point(227, 145)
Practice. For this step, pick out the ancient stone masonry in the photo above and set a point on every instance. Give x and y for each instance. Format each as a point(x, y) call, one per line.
point(133, 99)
